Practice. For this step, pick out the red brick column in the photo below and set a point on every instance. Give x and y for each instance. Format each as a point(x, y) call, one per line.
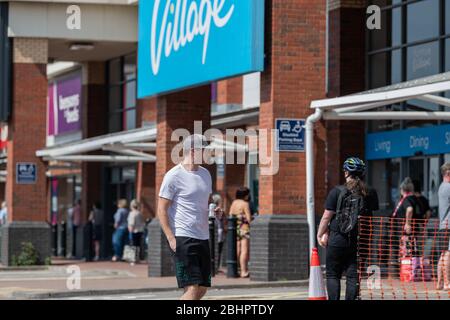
point(28, 205)
point(230, 91)
point(346, 76)
point(295, 76)
point(28, 130)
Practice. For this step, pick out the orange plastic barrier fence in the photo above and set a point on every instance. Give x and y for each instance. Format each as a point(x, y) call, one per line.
point(395, 263)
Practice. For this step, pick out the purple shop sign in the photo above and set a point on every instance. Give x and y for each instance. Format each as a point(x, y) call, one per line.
point(64, 105)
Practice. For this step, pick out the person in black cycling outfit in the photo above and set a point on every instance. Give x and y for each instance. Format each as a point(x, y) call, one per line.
point(341, 250)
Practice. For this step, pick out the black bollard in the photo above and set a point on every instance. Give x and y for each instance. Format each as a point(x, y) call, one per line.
point(212, 244)
point(54, 239)
point(63, 238)
point(232, 270)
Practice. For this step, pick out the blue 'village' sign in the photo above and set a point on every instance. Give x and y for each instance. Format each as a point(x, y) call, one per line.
point(184, 43)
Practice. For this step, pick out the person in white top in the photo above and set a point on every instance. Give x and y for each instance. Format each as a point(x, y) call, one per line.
point(136, 224)
point(183, 214)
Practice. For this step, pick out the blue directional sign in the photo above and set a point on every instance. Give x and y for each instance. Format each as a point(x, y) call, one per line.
point(290, 135)
point(184, 43)
point(406, 143)
point(26, 173)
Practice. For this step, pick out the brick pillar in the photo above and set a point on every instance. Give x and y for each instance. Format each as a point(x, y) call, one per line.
point(177, 110)
point(230, 91)
point(94, 123)
point(295, 75)
point(28, 210)
point(145, 186)
point(346, 76)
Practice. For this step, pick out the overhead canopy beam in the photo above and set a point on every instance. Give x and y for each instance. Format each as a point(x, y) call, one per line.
point(123, 150)
point(143, 146)
point(368, 106)
point(93, 144)
point(102, 158)
point(403, 91)
point(435, 99)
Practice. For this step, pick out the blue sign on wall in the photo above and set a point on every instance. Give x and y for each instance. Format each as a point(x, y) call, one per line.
point(409, 142)
point(184, 43)
point(26, 173)
point(290, 135)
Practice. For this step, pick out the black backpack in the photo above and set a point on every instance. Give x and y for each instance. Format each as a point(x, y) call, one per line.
point(349, 206)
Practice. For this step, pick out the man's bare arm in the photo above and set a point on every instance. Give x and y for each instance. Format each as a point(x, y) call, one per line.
point(163, 215)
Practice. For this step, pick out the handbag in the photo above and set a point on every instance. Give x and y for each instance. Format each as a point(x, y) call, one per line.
point(130, 253)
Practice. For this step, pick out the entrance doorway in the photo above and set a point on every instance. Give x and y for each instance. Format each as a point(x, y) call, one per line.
point(426, 170)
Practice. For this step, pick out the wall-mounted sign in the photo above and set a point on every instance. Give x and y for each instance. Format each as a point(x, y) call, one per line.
point(409, 142)
point(184, 43)
point(64, 105)
point(26, 173)
point(290, 135)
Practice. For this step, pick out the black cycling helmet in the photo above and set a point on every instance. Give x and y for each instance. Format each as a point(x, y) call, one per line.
point(355, 166)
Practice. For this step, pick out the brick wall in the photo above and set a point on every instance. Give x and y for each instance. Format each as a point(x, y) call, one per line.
point(145, 188)
point(146, 111)
point(295, 75)
point(230, 91)
point(30, 50)
point(28, 130)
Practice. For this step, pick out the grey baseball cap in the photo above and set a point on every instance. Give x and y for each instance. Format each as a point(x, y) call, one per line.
point(195, 141)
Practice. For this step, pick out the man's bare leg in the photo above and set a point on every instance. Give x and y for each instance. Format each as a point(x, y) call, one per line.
point(191, 293)
point(201, 292)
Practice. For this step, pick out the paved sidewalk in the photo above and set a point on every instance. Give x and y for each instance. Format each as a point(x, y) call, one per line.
point(102, 278)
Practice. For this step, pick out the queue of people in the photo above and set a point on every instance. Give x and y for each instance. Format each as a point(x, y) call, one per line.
point(129, 227)
point(338, 229)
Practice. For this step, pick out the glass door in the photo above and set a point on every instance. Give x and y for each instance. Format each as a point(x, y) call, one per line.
point(417, 170)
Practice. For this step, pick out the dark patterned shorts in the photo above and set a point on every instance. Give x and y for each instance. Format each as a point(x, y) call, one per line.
point(192, 262)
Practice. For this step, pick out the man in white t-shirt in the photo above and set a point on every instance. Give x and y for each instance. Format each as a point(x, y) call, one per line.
point(183, 213)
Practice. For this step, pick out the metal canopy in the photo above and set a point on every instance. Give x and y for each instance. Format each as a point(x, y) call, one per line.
point(364, 106)
point(358, 106)
point(128, 146)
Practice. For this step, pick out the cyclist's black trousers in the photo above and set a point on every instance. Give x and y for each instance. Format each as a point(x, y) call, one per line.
point(340, 260)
